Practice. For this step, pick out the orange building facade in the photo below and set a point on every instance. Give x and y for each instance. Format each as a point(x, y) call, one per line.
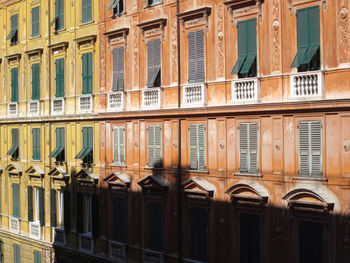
point(226, 136)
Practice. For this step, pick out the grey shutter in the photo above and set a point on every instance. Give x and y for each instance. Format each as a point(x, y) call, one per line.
point(200, 56)
point(316, 148)
point(201, 147)
point(121, 145)
point(157, 64)
point(192, 65)
point(193, 147)
point(115, 70)
point(115, 145)
point(157, 146)
point(243, 147)
point(151, 130)
point(120, 83)
point(253, 148)
point(304, 146)
point(150, 62)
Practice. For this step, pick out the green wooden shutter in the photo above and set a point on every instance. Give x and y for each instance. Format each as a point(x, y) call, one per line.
point(36, 81)
point(53, 208)
point(302, 36)
point(14, 85)
point(242, 28)
point(193, 147)
point(86, 13)
point(35, 21)
point(151, 142)
point(36, 143)
point(15, 200)
point(304, 148)
point(59, 13)
point(87, 73)
point(14, 22)
point(60, 77)
point(41, 206)
point(66, 197)
point(192, 56)
point(15, 137)
point(30, 203)
point(316, 148)
point(16, 253)
point(253, 148)
point(90, 136)
point(157, 146)
point(250, 38)
point(200, 69)
point(37, 256)
point(243, 147)
point(201, 147)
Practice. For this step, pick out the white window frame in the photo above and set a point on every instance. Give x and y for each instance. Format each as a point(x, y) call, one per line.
point(37, 204)
point(60, 208)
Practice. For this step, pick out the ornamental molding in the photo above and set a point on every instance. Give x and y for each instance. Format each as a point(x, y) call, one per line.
point(220, 40)
point(117, 37)
point(276, 43)
point(152, 28)
point(194, 18)
point(242, 8)
point(293, 4)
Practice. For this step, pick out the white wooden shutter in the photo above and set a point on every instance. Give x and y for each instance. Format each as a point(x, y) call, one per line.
point(150, 62)
point(304, 148)
point(115, 145)
point(243, 147)
point(157, 146)
point(253, 148)
point(193, 147)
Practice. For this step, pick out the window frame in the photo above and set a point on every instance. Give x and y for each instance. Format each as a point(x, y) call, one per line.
point(197, 147)
point(89, 18)
point(120, 149)
point(153, 162)
point(198, 62)
point(37, 24)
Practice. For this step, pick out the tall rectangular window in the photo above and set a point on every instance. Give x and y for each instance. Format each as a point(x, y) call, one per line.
point(13, 35)
point(59, 151)
point(59, 77)
point(119, 145)
point(249, 238)
point(198, 233)
point(36, 81)
point(155, 226)
point(15, 200)
point(197, 147)
point(88, 207)
point(36, 143)
point(308, 27)
point(60, 209)
point(14, 85)
point(154, 146)
point(86, 12)
point(311, 242)
point(153, 2)
point(36, 204)
point(118, 69)
point(16, 254)
point(246, 63)
point(35, 21)
point(248, 148)
point(86, 154)
point(14, 150)
point(119, 218)
point(117, 5)
point(59, 14)
point(310, 148)
point(154, 63)
point(37, 256)
point(87, 73)
point(196, 72)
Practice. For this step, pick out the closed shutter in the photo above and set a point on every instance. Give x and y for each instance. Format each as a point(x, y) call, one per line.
point(304, 149)
point(157, 146)
point(53, 208)
point(80, 213)
point(60, 143)
point(30, 203)
point(118, 69)
point(150, 62)
point(316, 149)
point(250, 38)
point(16, 253)
point(86, 14)
point(37, 256)
point(14, 85)
point(116, 154)
point(201, 148)
point(41, 206)
point(59, 77)
point(35, 21)
point(36, 81)
point(253, 148)
point(95, 215)
point(119, 145)
point(59, 13)
point(119, 218)
point(15, 200)
point(66, 205)
point(36, 143)
point(151, 130)
point(200, 75)
point(198, 233)
point(243, 147)
point(192, 65)
point(193, 147)
point(115, 54)
point(87, 73)
point(153, 63)
point(155, 226)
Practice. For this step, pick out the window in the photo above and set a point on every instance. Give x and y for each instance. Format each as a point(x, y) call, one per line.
point(14, 150)
point(59, 15)
point(36, 144)
point(36, 81)
point(16, 253)
point(35, 21)
point(118, 69)
point(59, 77)
point(15, 200)
point(86, 154)
point(248, 148)
point(310, 242)
point(196, 56)
point(197, 147)
point(308, 26)
point(86, 12)
point(117, 5)
point(36, 204)
point(13, 35)
point(37, 256)
point(59, 152)
point(153, 2)
point(154, 146)
point(249, 238)
point(119, 218)
point(153, 63)
point(119, 145)
point(246, 63)
point(87, 73)
point(155, 226)
point(57, 208)
point(14, 85)
point(198, 233)
point(310, 148)
point(87, 208)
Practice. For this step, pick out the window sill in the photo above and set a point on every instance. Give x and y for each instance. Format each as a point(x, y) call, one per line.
point(248, 174)
point(114, 16)
point(34, 37)
point(154, 168)
point(302, 178)
point(86, 23)
point(197, 171)
point(36, 161)
point(156, 4)
point(118, 165)
point(59, 30)
point(60, 162)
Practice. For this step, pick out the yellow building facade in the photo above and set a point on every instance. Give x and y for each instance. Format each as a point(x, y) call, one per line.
point(49, 86)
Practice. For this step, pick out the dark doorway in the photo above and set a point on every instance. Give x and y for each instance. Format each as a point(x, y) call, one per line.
point(250, 238)
point(311, 242)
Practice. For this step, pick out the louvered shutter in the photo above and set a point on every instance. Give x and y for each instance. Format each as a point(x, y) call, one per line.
point(193, 147)
point(304, 148)
point(85, 73)
point(86, 14)
point(151, 131)
point(200, 72)
point(120, 82)
point(314, 25)
point(15, 200)
point(80, 213)
point(201, 148)
point(253, 148)
point(90, 73)
point(157, 146)
point(156, 79)
point(14, 21)
point(61, 14)
point(14, 84)
point(37, 256)
point(121, 145)
point(192, 56)
point(66, 198)
point(116, 155)
point(41, 206)
point(36, 143)
point(36, 81)
point(16, 253)
point(59, 77)
point(243, 147)
point(115, 69)
point(53, 208)
point(95, 215)
point(30, 203)
point(150, 62)
point(316, 149)
point(35, 21)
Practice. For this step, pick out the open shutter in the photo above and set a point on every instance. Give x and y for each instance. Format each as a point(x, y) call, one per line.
point(243, 147)
point(61, 14)
point(80, 213)
point(201, 148)
point(302, 35)
point(66, 198)
point(53, 208)
point(151, 142)
point(41, 206)
point(250, 37)
point(150, 62)
point(304, 148)
point(193, 147)
point(242, 46)
point(192, 56)
point(95, 215)
point(316, 149)
point(30, 203)
point(156, 79)
point(253, 148)
point(120, 83)
point(121, 145)
point(157, 146)
point(200, 68)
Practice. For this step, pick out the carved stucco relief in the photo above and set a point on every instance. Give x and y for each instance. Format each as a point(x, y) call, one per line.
point(220, 41)
point(136, 54)
point(344, 30)
point(103, 65)
point(276, 35)
point(174, 50)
